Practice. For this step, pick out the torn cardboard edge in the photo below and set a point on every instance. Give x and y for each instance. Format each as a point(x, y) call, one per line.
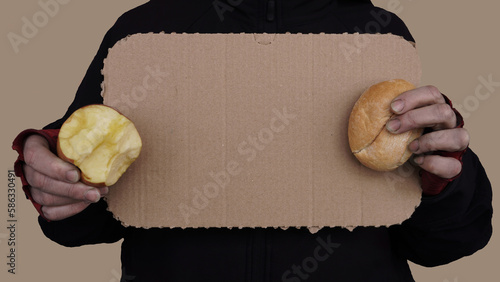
point(274, 114)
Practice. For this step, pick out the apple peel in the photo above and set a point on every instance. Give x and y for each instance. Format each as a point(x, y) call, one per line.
point(101, 142)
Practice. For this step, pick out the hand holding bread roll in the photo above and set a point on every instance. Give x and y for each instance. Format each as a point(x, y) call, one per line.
point(372, 144)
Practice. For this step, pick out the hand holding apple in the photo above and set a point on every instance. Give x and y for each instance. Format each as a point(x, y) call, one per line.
point(59, 186)
point(54, 183)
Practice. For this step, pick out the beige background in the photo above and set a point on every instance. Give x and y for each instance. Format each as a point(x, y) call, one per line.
point(458, 43)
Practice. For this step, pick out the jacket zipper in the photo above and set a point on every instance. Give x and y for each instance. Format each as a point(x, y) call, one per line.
point(271, 10)
point(270, 23)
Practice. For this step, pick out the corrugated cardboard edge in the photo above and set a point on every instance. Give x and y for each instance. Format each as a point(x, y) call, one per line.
point(266, 40)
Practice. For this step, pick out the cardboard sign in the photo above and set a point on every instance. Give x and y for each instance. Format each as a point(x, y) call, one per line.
point(250, 130)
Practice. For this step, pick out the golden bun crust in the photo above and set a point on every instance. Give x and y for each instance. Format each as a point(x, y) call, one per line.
point(372, 144)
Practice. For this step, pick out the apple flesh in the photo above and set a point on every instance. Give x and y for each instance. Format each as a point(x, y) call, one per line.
point(101, 142)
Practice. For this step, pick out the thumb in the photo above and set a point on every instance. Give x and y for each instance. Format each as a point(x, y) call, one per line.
point(38, 156)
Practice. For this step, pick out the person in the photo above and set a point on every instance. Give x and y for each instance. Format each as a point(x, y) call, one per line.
point(452, 221)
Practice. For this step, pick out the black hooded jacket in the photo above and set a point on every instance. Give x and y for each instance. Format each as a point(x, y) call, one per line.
point(444, 228)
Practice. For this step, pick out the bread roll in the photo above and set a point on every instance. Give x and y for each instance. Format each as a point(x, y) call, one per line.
point(370, 141)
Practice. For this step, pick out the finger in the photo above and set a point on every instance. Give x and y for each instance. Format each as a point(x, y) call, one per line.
point(103, 191)
point(63, 212)
point(444, 167)
point(437, 117)
point(416, 98)
point(38, 156)
point(450, 140)
point(76, 191)
point(46, 199)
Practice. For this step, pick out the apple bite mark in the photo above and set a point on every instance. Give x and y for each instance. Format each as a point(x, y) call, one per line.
point(101, 142)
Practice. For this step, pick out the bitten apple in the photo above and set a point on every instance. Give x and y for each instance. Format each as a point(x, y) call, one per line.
point(101, 142)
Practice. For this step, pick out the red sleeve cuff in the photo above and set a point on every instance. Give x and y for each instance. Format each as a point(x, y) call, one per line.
point(18, 145)
point(431, 183)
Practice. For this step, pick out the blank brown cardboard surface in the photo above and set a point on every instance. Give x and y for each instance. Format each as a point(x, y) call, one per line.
point(250, 130)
